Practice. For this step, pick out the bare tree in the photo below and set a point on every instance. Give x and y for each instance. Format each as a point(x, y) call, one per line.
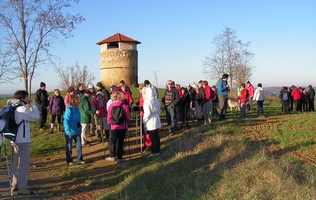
point(31, 28)
point(6, 71)
point(73, 75)
point(230, 56)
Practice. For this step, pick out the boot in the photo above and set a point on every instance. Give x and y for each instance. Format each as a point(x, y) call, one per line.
point(59, 128)
point(51, 130)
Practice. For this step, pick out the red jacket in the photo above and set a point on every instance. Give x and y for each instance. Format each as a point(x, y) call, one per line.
point(128, 97)
point(296, 94)
point(208, 93)
point(243, 96)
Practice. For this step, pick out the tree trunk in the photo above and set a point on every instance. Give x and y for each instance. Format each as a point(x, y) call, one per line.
point(26, 84)
point(30, 89)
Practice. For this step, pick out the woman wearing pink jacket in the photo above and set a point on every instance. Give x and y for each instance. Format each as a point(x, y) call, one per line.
point(118, 118)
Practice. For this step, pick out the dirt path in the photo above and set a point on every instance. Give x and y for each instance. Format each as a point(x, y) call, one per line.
point(47, 175)
point(50, 179)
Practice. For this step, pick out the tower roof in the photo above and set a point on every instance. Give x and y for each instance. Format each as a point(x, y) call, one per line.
point(118, 37)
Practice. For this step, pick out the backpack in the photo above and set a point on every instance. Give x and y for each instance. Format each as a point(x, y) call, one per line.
point(7, 114)
point(118, 115)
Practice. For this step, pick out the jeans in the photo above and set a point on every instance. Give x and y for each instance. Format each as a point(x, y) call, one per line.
point(171, 118)
point(77, 139)
point(243, 110)
point(208, 111)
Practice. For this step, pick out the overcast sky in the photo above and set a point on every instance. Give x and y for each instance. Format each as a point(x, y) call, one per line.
point(176, 35)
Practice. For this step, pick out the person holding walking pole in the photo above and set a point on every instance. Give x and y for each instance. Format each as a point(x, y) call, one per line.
point(25, 113)
point(152, 120)
point(118, 117)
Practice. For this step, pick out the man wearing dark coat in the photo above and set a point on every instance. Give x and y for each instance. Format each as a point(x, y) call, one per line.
point(41, 100)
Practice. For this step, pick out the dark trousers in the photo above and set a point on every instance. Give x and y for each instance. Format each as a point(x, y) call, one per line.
point(298, 105)
point(117, 142)
point(54, 118)
point(223, 99)
point(155, 139)
point(43, 118)
point(311, 105)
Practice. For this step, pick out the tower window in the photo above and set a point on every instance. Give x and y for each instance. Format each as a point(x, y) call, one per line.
point(113, 45)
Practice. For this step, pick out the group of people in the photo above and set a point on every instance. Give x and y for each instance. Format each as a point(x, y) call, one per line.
point(203, 102)
point(109, 113)
point(302, 98)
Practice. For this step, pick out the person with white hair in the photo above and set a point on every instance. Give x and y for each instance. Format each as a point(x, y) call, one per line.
point(152, 120)
point(171, 100)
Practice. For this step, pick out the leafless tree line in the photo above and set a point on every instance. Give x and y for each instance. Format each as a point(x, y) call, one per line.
point(73, 75)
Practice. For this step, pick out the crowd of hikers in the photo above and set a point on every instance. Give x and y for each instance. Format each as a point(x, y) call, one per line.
point(107, 114)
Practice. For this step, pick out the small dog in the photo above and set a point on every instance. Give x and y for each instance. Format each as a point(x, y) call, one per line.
point(232, 105)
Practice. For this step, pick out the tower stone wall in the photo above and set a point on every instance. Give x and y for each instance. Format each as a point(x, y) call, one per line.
point(119, 64)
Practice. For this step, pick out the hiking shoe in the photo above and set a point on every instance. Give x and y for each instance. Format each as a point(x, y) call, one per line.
point(112, 159)
point(120, 160)
point(153, 155)
point(25, 192)
point(81, 162)
point(70, 163)
point(146, 149)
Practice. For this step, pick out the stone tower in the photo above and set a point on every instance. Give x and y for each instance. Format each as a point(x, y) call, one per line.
point(119, 60)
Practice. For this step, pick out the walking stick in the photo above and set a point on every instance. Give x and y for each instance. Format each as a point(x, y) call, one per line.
point(136, 124)
point(141, 132)
point(7, 163)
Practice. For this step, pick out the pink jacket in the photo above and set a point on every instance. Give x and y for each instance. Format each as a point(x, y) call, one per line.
point(126, 112)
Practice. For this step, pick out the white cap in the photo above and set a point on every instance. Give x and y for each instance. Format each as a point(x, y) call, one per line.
point(90, 86)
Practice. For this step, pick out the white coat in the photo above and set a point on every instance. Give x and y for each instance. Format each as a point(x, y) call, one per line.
point(151, 108)
point(26, 114)
point(259, 94)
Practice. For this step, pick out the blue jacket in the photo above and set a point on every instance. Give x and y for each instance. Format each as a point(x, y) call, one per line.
point(221, 87)
point(71, 121)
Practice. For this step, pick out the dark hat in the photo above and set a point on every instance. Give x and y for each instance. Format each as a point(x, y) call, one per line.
point(87, 92)
point(42, 84)
point(248, 82)
point(113, 87)
point(122, 81)
point(56, 90)
point(146, 82)
point(99, 84)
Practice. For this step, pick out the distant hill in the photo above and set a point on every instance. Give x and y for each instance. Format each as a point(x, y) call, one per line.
point(272, 91)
